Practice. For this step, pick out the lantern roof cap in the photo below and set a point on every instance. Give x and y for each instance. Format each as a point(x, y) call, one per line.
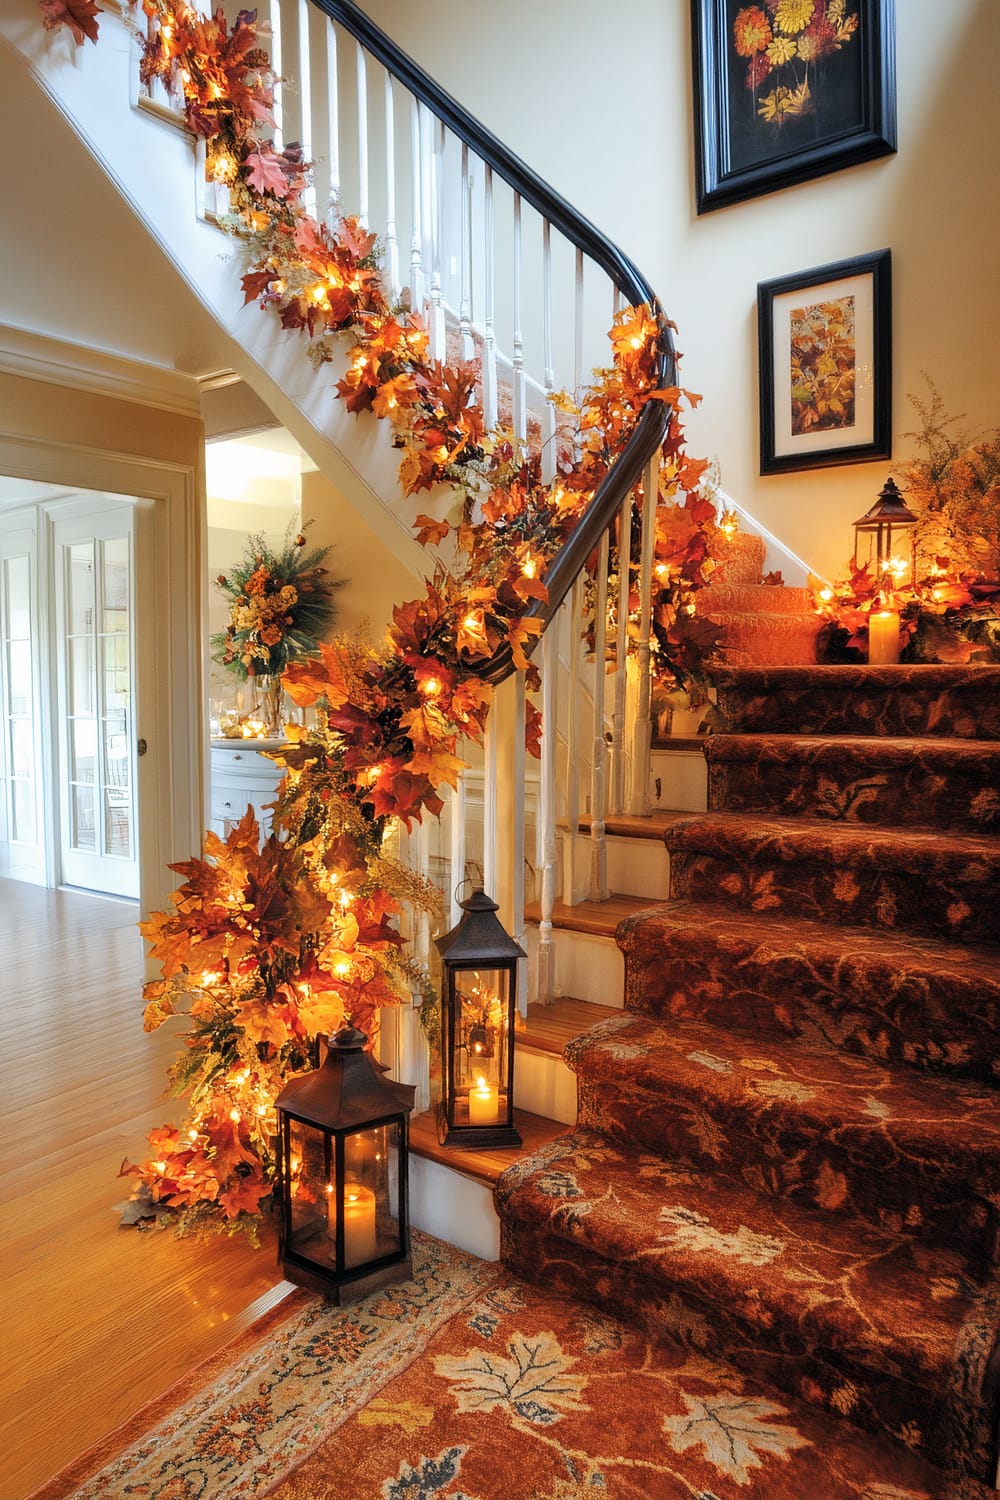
point(478, 937)
point(349, 1090)
point(890, 506)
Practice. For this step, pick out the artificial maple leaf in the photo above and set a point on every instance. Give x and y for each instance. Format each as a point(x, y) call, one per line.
point(325, 676)
point(425, 725)
point(79, 15)
point(437, 764)
point(431, 532)
point(519, 633)
point(266, 173)
point(532, 730)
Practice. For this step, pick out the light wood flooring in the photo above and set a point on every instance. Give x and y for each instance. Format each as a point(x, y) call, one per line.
point(95, 1320)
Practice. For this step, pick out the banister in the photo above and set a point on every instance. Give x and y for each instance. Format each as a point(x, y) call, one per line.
point(655, 416)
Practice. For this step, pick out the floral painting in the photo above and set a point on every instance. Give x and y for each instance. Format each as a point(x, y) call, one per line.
point(823, 359)
point(789, 89)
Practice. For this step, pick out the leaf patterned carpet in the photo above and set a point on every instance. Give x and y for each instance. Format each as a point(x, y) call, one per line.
point(787, 1151)
point(472, 1384)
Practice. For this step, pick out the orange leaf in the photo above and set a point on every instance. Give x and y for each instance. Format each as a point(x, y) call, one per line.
point(430, 531)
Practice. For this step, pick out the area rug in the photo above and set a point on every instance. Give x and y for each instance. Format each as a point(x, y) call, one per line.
point(470, 1384)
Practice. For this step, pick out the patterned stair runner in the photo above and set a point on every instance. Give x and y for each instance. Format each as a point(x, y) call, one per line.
point(788, 1144)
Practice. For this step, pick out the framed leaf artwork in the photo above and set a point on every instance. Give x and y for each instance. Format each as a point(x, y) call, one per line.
point(825, 365)
point(786, 90)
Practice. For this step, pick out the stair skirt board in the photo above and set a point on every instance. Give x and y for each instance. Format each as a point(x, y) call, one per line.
point(787, 1152)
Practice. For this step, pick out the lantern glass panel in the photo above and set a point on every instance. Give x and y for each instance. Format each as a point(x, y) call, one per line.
point(481, 1046)
point(371, 1195)
point(308, 1173)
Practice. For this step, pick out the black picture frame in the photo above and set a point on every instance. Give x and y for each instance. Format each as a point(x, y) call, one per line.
point(847, 114)
point(824, 340)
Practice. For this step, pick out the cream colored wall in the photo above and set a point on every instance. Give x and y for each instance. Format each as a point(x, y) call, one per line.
point(598, 99)
point(375, 579)
point(62, 415)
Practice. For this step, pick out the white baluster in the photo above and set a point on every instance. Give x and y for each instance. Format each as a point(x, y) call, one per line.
point(490, 777)
point(520, 417)
point(549, 421)
point(618, 752)
point(518, 851)
point(274, 17)
point(598, 795)
point(416, 190)
point(362, 76)
point(391, 244)
point(466, 346)
point(571, 615)
point(545, 956)
point(578, 326)
point(457, 847)
point(333, 209)
point(489, 329)
point(305, 10)
point(642, 733)
point(436, 313)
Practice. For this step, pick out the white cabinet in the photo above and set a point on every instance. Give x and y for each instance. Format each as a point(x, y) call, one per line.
point(242, 777)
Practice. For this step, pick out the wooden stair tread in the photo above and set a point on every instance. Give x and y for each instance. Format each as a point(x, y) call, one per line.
point(631, 826)
point(484, 1165)
point(599, 918)
point(550, 1027)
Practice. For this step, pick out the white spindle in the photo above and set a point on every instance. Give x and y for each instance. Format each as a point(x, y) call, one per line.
point(571, 614)
point(391, 243)
point(416, 198)
point(618, 750)
point(549, 420)
point(489, 329)
point(274, 17)
point(642, 733)
point(362, 76)
point(456, 849)
point(578, 325)
point(598, 794)
point(304, 82)
point(545, 955)
point(520, 416)
point(467, 349)
point(435, 219)
point(518, 771)
point(490, 778)
point(333, 210)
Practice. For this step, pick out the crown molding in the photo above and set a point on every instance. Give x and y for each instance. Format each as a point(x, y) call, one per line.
point(37, 356)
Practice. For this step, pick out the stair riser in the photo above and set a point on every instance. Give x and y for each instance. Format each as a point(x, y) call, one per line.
point(961, 796)
point(679, 780)
point(543, 1085)
point(586, 967)
point(964, 711)
point(638, 867)
point(857, 1174)
point(883, 1402)
point(922, 1019)
point(959, 902)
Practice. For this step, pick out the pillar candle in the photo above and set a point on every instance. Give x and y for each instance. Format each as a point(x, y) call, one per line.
point(360, 1242)
point(883, 637)
point(483, 1104)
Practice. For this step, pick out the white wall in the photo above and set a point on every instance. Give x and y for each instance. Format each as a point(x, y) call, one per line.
point(598, 99)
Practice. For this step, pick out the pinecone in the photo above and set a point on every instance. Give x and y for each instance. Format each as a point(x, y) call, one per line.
point(257, 58)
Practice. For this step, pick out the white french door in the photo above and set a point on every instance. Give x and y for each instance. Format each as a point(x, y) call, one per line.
point(93, 578)
point(21, 846)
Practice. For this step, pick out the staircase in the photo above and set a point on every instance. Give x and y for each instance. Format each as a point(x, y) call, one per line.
point(787, 1145)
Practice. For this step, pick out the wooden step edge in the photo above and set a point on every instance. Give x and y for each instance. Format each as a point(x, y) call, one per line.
point(549, 1028)
point(597, 918)
point(633, 826)
point(677, 742)
point(484, 1164)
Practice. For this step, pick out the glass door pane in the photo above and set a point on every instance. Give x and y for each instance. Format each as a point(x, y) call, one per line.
point(18, 720)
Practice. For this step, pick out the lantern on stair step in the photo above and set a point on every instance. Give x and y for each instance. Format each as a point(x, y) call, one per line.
point(478, 1002)
point(884, 539)
point(343, 1173)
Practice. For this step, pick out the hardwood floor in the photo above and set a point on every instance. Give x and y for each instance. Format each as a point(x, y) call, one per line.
point(96, 1320)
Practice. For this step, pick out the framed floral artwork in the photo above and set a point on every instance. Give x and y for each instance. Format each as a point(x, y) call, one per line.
point(825, 365)
point(786, 90)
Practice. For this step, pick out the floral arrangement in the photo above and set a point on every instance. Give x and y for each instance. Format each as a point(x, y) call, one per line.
point(267, 948)
point(281, 606)
point(952, 611)
point(780, 40)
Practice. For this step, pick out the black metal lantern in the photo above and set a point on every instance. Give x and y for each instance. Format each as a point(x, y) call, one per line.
point(478, 999)
point(343, 1167)
point(884, 538)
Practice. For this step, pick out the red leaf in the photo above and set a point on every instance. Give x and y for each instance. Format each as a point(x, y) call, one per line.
point(79, 15)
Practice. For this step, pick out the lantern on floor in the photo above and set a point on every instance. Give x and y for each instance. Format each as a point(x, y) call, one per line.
point(342, 1174)
point(884, 539)
point(478, 999)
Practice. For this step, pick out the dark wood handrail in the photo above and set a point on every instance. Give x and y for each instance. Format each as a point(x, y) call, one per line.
point(653, 420)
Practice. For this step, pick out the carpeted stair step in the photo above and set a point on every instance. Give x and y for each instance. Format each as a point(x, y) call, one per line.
point(832, 1311)
point(893, 997)
point(953, 784)
point(755, 599)
point(740, 560)
point(886, 1145)
point(958, 701)
point(909, 880)
point(779, 639)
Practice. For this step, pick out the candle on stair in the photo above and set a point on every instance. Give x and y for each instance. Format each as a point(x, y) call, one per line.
point(883, 637)
point(360, 1241)
point(483, 1103)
